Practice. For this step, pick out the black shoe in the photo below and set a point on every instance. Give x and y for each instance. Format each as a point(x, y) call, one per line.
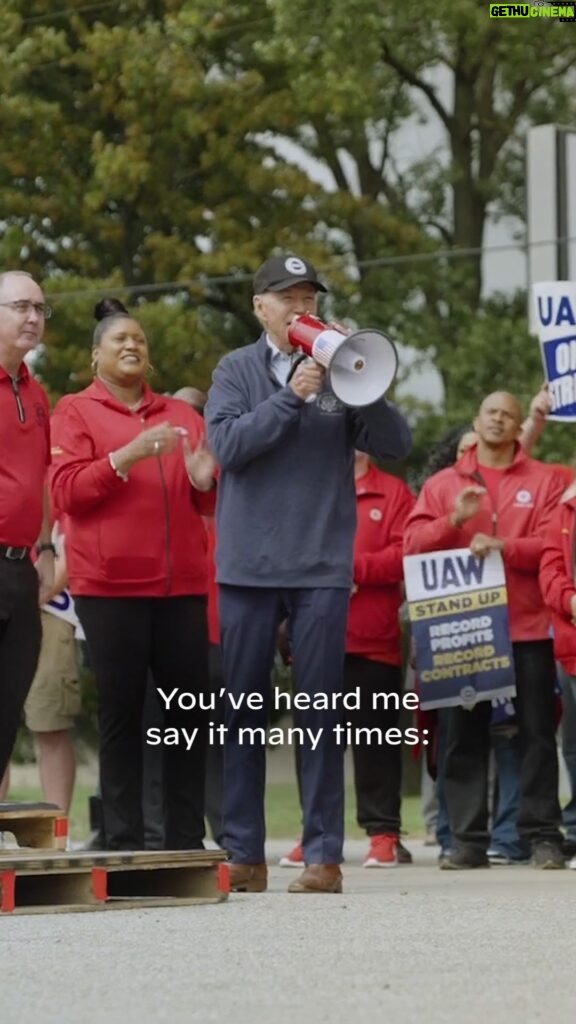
point(403, 856)
point(548, 856)
point(569, 847)
point(463, 859)
point(97, 838)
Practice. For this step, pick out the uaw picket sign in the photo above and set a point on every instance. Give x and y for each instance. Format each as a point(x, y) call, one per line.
point(458, 609)
point(554, 316)
point(62, 606)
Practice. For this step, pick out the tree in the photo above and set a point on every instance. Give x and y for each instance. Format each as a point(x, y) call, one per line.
point(480, 80)
point(141, 167)
point(169, 142)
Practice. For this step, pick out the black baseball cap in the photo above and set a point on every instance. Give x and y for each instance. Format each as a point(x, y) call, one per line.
point(280, 272)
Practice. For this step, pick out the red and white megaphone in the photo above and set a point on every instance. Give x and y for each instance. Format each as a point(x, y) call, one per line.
point(361, 365)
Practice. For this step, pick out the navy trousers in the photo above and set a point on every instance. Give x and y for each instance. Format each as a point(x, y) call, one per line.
point(249, 618)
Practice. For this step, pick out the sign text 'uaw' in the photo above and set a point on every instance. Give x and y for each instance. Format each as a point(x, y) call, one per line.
point(458, 609)
point(554, 316)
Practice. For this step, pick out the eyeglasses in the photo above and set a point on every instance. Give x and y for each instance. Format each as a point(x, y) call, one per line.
point(23, 307)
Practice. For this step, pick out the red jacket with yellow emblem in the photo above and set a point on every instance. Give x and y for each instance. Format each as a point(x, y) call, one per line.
point(528, 493)
point(383, 504)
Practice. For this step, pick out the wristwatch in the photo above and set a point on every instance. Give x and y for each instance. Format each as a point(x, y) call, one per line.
point(46, 547)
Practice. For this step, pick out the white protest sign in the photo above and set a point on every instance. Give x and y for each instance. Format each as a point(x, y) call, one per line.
point(62, 606)
point(554, 318)
point(458, 607)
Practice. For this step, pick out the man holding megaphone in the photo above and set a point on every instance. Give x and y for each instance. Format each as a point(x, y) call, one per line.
point(284, 432)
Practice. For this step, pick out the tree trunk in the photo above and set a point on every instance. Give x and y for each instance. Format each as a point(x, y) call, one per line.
point(469, 203)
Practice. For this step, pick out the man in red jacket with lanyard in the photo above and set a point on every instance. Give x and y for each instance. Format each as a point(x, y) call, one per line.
point(495, 499)
point(24, 520)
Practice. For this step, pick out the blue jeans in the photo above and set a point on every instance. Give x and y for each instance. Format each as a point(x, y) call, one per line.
point(504, 834)
point(568, 684)
point(539, 816)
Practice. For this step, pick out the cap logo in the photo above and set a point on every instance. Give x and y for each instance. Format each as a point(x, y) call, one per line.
point(295, 266)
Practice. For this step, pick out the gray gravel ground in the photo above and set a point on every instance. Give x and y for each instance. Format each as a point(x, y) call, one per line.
point(408, 944)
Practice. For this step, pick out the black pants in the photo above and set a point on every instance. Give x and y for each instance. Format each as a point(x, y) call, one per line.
point(377, 766)
point(20, 639)
point(152, 787)
point(468, 749)
point(215, 753)
point(127, 638)
point(152, 798)
point(152, 761)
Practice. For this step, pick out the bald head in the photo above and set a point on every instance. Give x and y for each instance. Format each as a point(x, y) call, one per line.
point(498, 423)
point(193, 396)
point(503, 399)
point(11, 276)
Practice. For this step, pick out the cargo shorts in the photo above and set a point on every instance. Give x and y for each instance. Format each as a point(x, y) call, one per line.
point(54, 700)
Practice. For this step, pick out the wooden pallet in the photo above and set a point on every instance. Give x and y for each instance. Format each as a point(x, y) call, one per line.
point(57, 882)
point(41, 826)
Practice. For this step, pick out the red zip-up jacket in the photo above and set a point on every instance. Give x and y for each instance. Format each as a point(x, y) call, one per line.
point(383, 504)
point(143, 537)
point(24, 456)
point(528, 493)
point(557, 577)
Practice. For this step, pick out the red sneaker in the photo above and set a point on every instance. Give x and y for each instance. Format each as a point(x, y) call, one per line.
point(294, 859)
point(382, 852)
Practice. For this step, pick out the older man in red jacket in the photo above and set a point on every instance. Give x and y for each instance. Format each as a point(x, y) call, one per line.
point(24, 516)
point(495, 499)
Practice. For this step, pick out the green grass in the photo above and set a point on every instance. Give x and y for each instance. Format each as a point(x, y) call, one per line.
point(282, 811)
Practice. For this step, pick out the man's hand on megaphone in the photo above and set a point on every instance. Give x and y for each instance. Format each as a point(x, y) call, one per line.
point(308, 379)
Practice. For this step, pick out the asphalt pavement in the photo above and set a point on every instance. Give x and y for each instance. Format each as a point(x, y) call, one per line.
point(404, 944)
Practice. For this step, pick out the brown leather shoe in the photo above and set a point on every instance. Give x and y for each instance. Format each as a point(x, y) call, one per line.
point(318, 878)
point(248, 877)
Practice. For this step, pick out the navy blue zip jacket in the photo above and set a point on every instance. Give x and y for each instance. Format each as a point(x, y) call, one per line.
point(286, 507)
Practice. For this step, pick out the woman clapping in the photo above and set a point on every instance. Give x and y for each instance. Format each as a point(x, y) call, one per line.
point(131, 472)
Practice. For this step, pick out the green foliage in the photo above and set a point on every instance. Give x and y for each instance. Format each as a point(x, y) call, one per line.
point(283, 814)
point(161, 149)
